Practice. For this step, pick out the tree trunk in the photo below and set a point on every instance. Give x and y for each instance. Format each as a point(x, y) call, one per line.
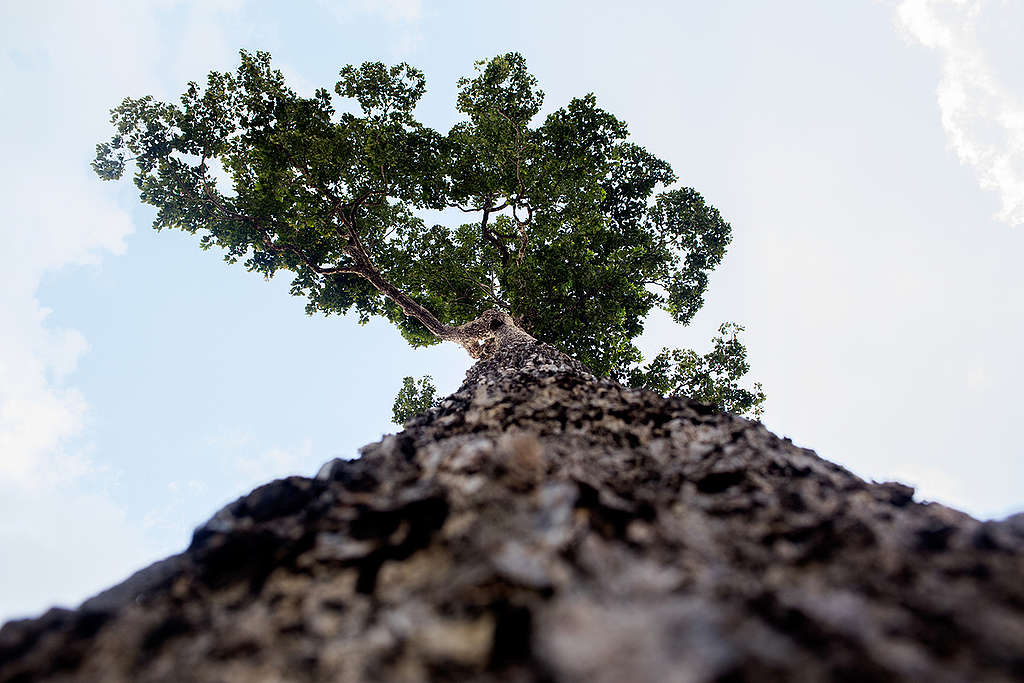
point(545, 525)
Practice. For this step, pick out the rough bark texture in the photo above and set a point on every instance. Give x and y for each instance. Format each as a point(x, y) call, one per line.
point(543, 525)
point(482, 337)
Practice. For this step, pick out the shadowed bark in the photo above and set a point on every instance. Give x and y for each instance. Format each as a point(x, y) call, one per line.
point(544, 525)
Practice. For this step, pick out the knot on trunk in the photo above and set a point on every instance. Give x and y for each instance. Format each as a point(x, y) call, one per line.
point(484, 336)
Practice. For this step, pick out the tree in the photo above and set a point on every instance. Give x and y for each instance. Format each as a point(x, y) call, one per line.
point(569, 237)
point(413, 398)
point(546, 524)
point(542, 524)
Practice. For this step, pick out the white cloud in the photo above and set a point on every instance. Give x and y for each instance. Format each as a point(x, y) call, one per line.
point(69, 62)
point(48, 221)
point(982, 117)
point(62, 544)
point(54, 212)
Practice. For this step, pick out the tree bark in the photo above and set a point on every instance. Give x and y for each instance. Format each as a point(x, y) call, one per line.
point(544, 525)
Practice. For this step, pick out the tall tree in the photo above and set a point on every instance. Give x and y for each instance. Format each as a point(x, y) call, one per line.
point(413, 398)
point(542, 525)
point(571, 234)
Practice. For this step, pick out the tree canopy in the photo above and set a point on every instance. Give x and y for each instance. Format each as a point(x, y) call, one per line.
point(568, 226)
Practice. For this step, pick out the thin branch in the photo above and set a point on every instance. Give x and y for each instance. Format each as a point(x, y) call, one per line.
point(489, 236)
point(489, 292)
point(519, 149)
point(523, 235)
point(269, 244)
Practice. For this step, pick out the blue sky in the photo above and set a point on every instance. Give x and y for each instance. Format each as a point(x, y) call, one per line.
point(869, 155)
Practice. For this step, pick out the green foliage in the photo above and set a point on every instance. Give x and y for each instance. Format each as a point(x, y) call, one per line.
point(711, 378)
point(413, 398)
point(571, 228)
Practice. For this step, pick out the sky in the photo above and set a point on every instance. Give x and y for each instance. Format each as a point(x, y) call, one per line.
point(868, 154)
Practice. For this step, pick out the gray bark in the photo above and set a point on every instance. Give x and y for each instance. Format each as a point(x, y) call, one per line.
point(544, 525)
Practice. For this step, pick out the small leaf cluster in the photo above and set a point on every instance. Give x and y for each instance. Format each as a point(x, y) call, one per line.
point(711, 378)
point(413, 398)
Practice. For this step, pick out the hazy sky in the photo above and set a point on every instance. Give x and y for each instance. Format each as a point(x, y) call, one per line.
point(869, 155)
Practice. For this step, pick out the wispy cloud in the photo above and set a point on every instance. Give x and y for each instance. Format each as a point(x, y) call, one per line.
point(39, 411)
point(72, 61)
point(983, 118)
point(54, 213)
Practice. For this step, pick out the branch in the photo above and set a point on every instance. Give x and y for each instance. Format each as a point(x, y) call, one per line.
point(212, 198)
point(486, 233)
point(519, 149)
point(364, 267)
point(523, 236)
point(489, 292)
point(474, 209)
